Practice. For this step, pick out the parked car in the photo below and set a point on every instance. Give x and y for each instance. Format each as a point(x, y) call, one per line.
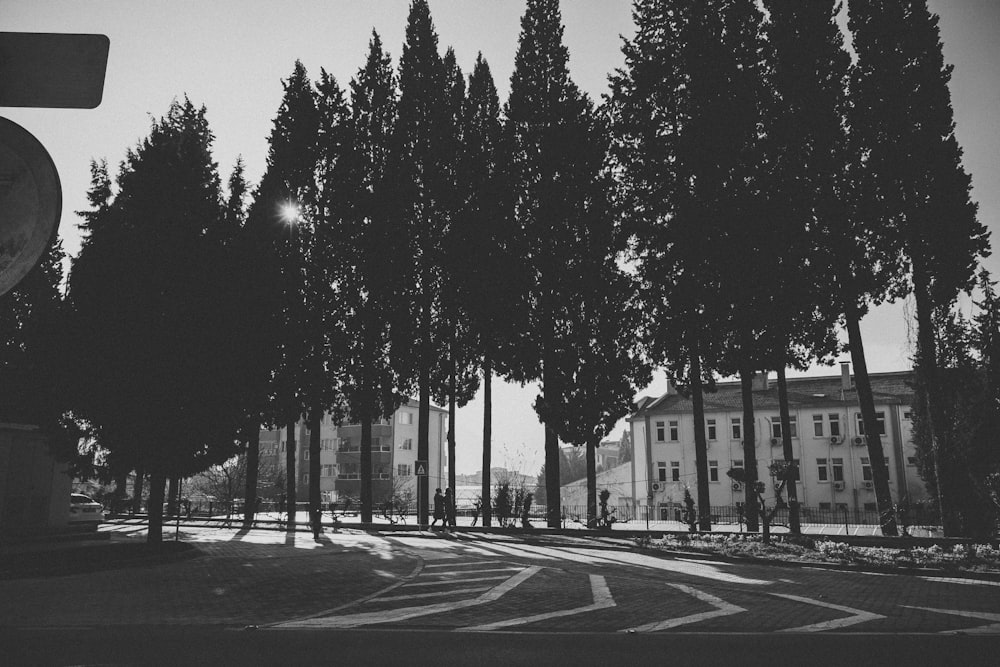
point(84, 511)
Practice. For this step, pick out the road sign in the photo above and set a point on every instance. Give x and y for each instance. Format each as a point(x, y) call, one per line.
point(52, 70)
point(421, 468)
point(30, 202)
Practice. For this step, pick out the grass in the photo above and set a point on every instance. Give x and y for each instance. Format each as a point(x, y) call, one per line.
point(787, 548)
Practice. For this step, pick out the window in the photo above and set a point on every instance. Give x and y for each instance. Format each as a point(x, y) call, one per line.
point(674, 431)
point(908, 415)
point(834, 423)
point(822, 472)
point(710, 427)
point(866, 469)
point(661, 432)
point(407, 444)
point(305, 454)
point(879, 419)
point(305, 478)
point(825, 506)
point(818, 430)
point(661, 471)
point(911, 460)
point(675, 471)
point(327, 471)
point(776, 427)
point(403, 470)
point(737, 428)
point(713, 471)
point(405, 417)
point(838, 469)
point(871, 507)
point(737, 463)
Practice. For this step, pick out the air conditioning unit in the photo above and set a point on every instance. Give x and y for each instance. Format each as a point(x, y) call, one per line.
point(838, 486)
point(775, 441)
point(868, 485)
point(836, 440)
point(656, 486)
point(737, 486)
point(860, 440)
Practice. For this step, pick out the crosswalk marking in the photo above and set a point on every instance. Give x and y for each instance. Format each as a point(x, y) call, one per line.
point(444, 582)
point(857, 615)
point(435, 594)
point(722, 608)
point(602, 600)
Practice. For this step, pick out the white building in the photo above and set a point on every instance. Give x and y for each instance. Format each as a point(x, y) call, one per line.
point(394, 454)
point(827, 439)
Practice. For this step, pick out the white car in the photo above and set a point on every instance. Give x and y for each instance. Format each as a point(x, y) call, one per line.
point(84, 511)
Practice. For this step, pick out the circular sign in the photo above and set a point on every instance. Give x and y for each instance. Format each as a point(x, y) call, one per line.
point(30, 202)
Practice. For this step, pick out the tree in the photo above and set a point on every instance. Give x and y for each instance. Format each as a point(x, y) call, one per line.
point(685, 114)
point(286, 191)
point(914, 187)
point(148, 290)
point(357, 196)
point(419, 212)
point(550, 188)
point(484, 232)
point(805, 152)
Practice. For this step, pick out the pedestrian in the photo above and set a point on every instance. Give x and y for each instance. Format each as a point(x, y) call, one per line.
point(477, 504)
point(438, 508)
point(449, 510)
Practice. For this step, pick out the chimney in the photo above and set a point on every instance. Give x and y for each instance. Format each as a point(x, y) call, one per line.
point(671, 388)
point(761, 381)
point(845, 376)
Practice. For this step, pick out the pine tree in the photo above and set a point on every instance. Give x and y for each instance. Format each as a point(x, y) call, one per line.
point(550, 186)
point(149, 292)
point(419, 210)
point(358, 196)
point(483, 230)
point(914, 187)
point(279, 217)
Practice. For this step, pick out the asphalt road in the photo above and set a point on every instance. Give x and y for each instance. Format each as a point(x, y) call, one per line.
point(262, 597)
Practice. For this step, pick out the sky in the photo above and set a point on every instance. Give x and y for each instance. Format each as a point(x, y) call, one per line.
point(231, 55)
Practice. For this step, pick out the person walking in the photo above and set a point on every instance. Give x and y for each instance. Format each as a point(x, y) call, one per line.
point(449, 510)
point(438, 508)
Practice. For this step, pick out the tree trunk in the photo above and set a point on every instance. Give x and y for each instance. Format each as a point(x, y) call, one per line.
point(487, 481)
point(552, 498)
point(157, 484)
point(290, 475)
point(700, 442)
point(451, 435)
point(592, 482)
point(749, 451)
point(794, 525)
point(315, 502)
point(366, 467)
point(172, 496)
point(880, 471)
point(140, 478)
point(926, 372)
point(253, 469)
point(423, 441)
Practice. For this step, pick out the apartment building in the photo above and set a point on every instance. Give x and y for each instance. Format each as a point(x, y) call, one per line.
point(394, 454)
point(828, 441)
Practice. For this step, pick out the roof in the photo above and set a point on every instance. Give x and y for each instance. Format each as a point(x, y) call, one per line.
point(894, 388)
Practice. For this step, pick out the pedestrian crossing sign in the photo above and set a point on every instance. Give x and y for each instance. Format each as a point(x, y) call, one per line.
point(421, 468)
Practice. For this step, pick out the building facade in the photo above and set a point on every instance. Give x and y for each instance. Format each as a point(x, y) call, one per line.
point(394, 455)
point(828, 441)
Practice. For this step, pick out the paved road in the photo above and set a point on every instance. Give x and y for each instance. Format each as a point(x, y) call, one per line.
point(475, 589)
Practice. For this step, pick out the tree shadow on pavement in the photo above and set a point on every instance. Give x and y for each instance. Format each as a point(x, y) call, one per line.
point(240, 534)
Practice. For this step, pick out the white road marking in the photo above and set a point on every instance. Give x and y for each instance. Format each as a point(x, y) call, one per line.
point(435, 594)
point(512, 568)
point(394, 615)
point(602, 600)
point(857, 615)
point(722, 608)
point(989, 628)
point(473, 563)
point(962, 580)
point(439, 582)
